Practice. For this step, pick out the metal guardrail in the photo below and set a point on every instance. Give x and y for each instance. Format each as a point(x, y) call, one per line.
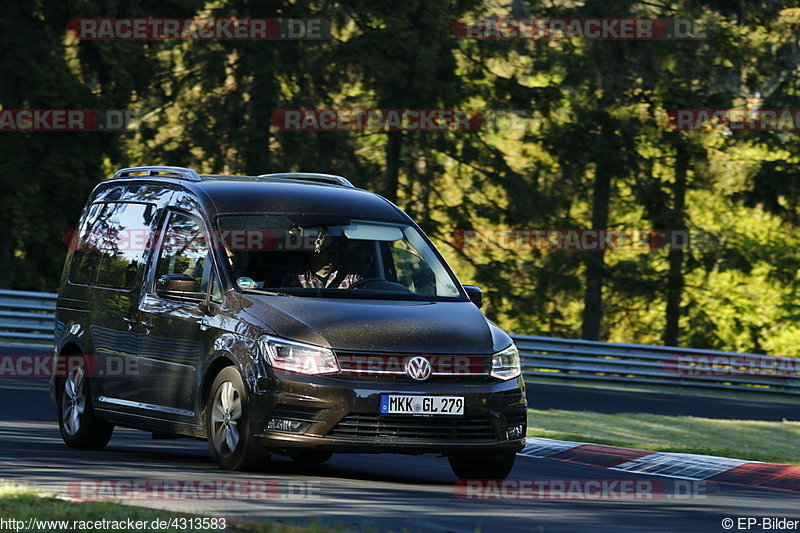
point(29, 317)
point(656, 367)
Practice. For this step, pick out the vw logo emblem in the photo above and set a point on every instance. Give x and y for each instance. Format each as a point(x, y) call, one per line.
point(418, 368)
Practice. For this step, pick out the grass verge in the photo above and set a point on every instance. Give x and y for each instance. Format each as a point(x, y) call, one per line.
point(23, 503)
point(753, 440)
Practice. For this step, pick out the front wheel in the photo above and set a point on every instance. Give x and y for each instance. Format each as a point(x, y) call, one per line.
point(228, 426)
point(496, 466)
point(79, 426)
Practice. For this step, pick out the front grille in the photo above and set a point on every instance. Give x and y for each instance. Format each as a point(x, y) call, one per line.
point(474, 428)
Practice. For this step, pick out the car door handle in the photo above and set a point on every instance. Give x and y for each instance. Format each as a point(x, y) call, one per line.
point(129, 322)
point(147, 326)
point(202, 324)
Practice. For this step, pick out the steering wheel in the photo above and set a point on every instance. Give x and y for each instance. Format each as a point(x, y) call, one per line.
point(362, 282)
point(380, 284)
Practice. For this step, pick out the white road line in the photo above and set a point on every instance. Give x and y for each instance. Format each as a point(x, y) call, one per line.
point(680, 465)
point(674, 465)
point(540, 447)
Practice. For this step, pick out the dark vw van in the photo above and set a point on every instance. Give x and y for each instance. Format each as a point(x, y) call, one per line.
point(284, 314)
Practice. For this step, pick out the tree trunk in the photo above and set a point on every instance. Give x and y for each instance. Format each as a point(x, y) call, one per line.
point(675, 280)
point(595, 260)
point(390, 180)
point(6, 253)
point(424, 178)
point(256, 144)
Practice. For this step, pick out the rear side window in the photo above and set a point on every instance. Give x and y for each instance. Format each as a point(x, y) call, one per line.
point(111, 244)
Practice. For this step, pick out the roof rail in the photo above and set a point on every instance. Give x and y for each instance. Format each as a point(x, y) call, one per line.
point(311, 176)
point(155, 171)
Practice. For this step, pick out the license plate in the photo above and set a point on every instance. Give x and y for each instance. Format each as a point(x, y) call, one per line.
point(404, 404)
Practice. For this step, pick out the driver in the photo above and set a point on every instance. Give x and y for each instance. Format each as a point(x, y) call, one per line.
point(323, 270)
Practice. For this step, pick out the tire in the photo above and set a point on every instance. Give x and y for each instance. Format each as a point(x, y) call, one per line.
point(77, 421)
point(310, 457)
point(228, 425)
point(496, 466)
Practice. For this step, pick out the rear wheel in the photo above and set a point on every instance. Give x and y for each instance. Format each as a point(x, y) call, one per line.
point(495, 466)
point(228, 425)
point(79, 426)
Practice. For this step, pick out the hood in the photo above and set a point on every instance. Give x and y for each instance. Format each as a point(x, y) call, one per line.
point(378, 325)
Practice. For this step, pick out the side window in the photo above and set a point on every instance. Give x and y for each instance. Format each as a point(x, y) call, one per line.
point(86, 255)
point(112, 243)
point(185, 250)
point(216, 288)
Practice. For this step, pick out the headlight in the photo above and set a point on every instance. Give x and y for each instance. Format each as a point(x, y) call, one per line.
point(296, 357)
point(505, 363)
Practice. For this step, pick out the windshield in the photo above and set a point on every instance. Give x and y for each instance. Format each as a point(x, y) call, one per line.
point(307, 255)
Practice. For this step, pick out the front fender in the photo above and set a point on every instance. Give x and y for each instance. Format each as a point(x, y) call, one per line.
point(231, 349)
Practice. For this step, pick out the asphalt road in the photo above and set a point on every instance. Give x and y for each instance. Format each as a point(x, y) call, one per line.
point(381, 492)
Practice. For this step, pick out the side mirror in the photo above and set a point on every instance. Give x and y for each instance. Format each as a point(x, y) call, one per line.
point(475, 294)
point(179, 286)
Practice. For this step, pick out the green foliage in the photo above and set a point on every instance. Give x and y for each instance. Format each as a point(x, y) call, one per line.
point(587, 147)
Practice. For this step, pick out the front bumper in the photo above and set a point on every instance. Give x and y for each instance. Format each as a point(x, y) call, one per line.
point(343, 415)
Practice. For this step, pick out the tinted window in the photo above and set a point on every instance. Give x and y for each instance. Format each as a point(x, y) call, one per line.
point(316, 255)
point(112, 243)
point(216, 289)
point(185, 250)
point(86, 255)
